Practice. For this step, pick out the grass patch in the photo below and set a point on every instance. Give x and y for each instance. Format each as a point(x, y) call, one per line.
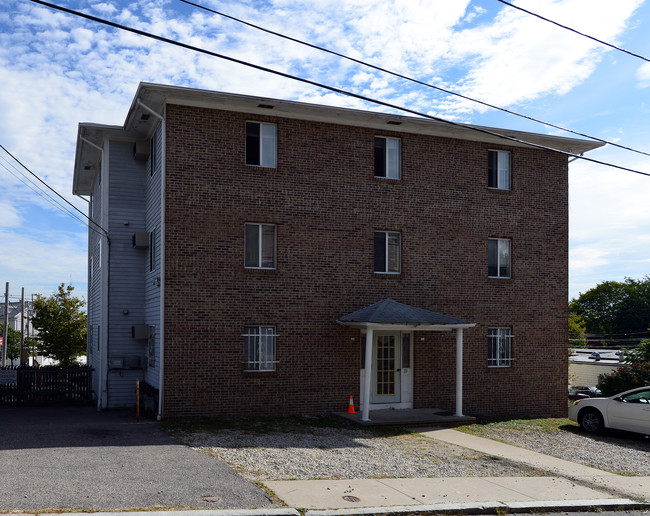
point(265, 425)
point(490, 426)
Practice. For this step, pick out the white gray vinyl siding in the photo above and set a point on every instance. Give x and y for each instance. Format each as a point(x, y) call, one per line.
point(152, 192)
point(133, 293)
point(94, 296)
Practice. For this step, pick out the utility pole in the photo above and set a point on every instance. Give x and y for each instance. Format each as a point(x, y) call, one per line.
point(5, 336)
point(21, 360)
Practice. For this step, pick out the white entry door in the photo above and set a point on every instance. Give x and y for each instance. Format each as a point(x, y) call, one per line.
point(386, 386)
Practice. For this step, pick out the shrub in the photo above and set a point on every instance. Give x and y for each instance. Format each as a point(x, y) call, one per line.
point(625, 378)
point(640, 354)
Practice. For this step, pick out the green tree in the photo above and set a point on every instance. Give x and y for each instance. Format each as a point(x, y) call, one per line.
point(638, 354)
point(615, 307)
point(13, 344)
point(577, 329)
point(61, 325)
point(625, 378)
point(636, 372)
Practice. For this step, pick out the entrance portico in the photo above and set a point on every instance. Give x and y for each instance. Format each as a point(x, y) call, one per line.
point(383, 322)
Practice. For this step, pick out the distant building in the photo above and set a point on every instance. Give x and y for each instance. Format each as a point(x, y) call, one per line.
point(18, 315)
point(586, 365)
point(19, 318)
point(267, 257)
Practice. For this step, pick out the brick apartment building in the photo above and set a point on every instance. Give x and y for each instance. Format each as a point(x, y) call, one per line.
point(260, 256)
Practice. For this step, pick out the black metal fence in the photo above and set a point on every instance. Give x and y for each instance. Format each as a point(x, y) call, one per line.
point(25, 385)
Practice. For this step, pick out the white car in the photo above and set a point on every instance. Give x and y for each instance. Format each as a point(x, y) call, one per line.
point(629, 410)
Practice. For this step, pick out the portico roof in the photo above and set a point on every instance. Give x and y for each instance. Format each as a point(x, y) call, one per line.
point(390, 313)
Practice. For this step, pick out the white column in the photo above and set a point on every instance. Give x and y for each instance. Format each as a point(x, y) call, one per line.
point(365, 396)
point(459, 371)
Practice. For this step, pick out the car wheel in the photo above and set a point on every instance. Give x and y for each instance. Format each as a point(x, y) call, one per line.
point(591, 421)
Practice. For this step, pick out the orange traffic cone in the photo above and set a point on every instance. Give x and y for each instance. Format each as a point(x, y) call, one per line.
point(351, 407)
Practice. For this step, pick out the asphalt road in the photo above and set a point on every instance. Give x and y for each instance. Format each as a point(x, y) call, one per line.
point(78, 458)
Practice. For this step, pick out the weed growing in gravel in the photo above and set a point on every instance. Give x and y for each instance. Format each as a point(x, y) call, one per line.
point(490, 426)
point(265, 425)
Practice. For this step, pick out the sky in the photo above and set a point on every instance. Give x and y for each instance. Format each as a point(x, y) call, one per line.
point(58, 70)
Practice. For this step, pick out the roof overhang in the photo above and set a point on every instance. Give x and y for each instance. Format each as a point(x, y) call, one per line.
point(155, 96)
point(407, 327)
point(152, 98)
point(390, 315)
point(88, 155)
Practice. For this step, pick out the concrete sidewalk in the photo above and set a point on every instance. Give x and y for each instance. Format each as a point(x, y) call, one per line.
point(572, 487)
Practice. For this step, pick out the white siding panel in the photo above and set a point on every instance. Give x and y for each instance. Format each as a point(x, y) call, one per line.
point(152, 284)
point(126, 301)
point(94, 296)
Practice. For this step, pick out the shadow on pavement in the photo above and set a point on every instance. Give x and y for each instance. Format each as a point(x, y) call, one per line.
point(78, 458)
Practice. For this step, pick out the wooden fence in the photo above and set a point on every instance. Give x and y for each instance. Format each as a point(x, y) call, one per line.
point(25, 385)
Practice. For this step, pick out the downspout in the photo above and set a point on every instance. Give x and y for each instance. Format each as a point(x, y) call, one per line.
point(163, 168)
point(459, 372)
point(365, 411)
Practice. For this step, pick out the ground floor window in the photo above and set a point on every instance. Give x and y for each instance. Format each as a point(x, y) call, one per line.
point(259, 348)
point(499, 347)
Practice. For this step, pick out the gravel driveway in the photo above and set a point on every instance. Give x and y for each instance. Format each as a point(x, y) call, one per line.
point(284, 452)
point(616, 452)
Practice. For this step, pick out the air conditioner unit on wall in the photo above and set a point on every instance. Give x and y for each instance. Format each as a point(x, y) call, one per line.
point(116, 363)
point(141, 240)
point(141, 150)
point(140, 331)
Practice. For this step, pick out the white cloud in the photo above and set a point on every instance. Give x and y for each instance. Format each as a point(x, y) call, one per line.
point(609, 222)
point(40, 261)
point(519, 57)
point(9, 215)
point(71, 70)
point(643, 75)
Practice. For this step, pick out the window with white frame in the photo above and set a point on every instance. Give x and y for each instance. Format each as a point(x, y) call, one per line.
point(259, 348)
point(260, 144)
point(498, 258)
point(387, 157)
point(388, 252)
point(259, 246)
point(499, 347)
point(499, 170)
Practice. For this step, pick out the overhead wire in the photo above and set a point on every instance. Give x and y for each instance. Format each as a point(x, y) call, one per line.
point(327, 87)
point(34, 186)
point(411, 79)
point(574, 30)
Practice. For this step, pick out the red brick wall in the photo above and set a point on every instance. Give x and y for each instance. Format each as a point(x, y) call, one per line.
point(326, 204)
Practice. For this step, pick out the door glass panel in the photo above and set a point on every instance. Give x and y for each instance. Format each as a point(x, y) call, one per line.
point(406, 350)
point(385, 365)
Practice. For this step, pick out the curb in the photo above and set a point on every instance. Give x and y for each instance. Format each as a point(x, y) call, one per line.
point(611, 504)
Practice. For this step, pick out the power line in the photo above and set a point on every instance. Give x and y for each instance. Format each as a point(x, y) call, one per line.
point(56, 193)
point(574, 30)
point(31, 185)
point(332, 88)
point(411, 79)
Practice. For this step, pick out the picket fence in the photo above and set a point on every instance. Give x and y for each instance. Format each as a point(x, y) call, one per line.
point(27, 385)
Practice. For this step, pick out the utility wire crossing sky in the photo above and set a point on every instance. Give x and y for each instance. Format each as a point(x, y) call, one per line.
point(483, 63)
